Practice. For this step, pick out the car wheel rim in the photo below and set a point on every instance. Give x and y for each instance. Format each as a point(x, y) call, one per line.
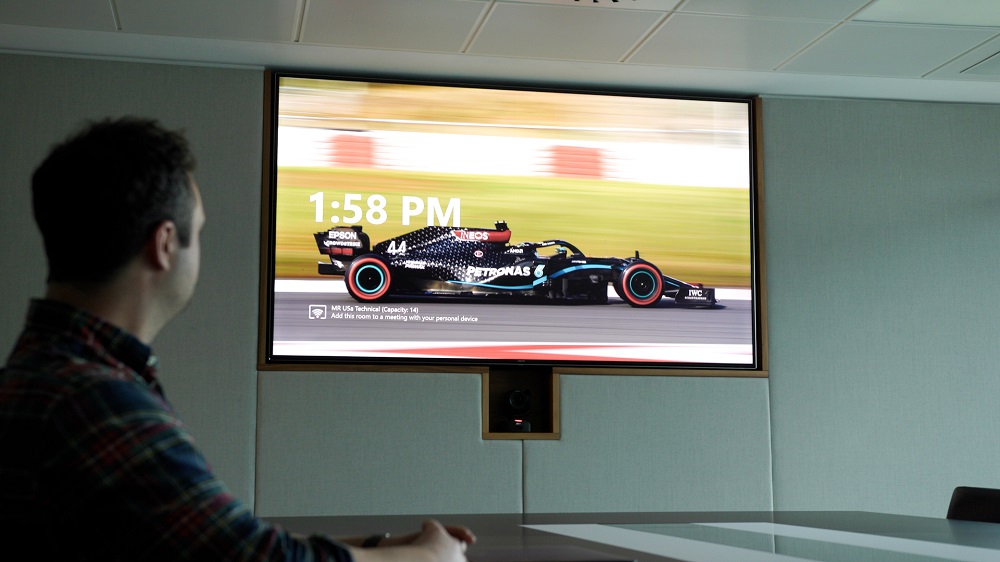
point(642, 285)
point(369, 279)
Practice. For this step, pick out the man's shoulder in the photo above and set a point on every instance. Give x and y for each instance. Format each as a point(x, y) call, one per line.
point(46, 388)
point(64, 371)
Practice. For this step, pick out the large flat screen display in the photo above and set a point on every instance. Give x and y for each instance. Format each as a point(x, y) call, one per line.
point(413, 222)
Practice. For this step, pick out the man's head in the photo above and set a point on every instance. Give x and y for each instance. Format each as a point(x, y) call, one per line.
point(100, 195)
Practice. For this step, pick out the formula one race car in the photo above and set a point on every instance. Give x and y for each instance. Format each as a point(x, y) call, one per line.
point(480, 262)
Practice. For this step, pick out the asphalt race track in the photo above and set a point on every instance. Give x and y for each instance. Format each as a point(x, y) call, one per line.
point(335, 316)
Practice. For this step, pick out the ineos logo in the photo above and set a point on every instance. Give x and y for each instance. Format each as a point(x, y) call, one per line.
point(471, 235)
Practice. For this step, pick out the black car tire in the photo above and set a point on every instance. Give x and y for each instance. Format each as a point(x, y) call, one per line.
point(641, 284)
point(368, 278)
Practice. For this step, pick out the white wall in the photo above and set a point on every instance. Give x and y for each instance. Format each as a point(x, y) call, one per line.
point(208, 357)
point(883, 226)
point(377, 443)
point(638, 443)
point(881, 247)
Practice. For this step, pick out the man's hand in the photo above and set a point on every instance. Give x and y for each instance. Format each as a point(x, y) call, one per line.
point(434, 543)
point(449, 543)
point(460, 534)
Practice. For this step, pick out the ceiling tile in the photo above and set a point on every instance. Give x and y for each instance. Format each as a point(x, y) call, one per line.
point(252, 20)
point(93, 15)
point(652, 5)
point(823, 10)
point(984, 13)
point(870, 49)
point(988, 67)
point(560, 32)
point(967, 67)
point(428, 25)
point(727, 42)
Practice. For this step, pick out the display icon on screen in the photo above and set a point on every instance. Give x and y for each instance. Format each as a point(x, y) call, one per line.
point(317, 312)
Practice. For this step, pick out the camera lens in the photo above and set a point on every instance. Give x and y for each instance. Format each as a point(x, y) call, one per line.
point(519, 401)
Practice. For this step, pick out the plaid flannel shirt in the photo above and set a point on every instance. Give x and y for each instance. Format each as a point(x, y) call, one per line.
point(96, 465)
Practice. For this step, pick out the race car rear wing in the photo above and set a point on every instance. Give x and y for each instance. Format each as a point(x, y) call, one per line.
point(342, 244)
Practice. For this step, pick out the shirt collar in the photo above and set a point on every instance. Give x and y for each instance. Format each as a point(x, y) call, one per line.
point(117, 343)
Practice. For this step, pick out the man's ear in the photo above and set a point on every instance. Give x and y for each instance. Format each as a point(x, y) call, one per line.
point(161, 246)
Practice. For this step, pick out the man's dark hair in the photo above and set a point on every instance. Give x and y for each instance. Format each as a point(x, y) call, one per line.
point(100, 194)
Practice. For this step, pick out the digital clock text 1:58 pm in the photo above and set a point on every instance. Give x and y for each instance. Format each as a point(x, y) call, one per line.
point(352, 208)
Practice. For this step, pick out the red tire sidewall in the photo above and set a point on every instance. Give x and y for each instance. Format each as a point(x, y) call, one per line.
point(358, 263)
point(654, 297)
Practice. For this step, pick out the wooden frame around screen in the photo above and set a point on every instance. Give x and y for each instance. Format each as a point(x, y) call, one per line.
point(757, 195)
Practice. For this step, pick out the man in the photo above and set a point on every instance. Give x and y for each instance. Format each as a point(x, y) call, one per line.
point(94, 462)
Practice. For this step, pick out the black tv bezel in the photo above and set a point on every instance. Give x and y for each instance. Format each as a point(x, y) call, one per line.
point(267, 361)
